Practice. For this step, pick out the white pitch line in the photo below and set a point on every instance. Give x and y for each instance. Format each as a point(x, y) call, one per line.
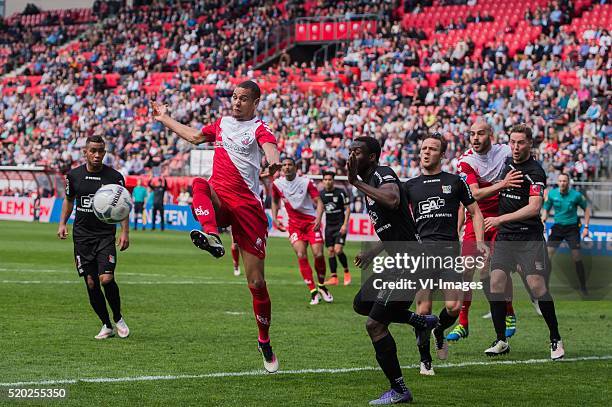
point(291, 372)
point(170, 282)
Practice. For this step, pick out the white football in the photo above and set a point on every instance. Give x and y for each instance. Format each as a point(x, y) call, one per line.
point(112, 203)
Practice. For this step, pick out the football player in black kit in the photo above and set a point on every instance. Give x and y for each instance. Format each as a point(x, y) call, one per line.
point(392, 221)
point(337, 214)
point(520, 241)
point(435, 198)
point(95, 254)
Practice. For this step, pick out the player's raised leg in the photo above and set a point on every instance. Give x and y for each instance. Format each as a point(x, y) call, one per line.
point(203, 206)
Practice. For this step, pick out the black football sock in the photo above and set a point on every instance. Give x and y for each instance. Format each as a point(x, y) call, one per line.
point(96, 299)
point(111, 290)
point(386, 355)
point(333, 266)
point(423, 343)
point(547, 306)
point(498, 314)
point(446, 320)
point(343, 261)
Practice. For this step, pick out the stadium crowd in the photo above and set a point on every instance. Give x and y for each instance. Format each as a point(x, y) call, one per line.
point(390, 85)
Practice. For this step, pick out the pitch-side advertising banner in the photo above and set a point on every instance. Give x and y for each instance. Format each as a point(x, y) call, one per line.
point(179, 217)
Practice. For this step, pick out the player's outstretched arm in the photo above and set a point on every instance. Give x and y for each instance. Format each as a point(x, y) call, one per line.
point(62, 230)
point(160, 113)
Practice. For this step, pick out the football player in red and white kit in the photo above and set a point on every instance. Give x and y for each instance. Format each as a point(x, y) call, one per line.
point(301, 197)
point(231, 196)
point(481, 166)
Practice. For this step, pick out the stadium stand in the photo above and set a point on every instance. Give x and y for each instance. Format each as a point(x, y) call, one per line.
point(540, 62)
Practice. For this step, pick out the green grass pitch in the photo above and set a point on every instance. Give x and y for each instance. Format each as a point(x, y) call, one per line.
point(189, 316)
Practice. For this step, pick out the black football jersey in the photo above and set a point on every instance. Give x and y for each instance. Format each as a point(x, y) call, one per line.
point(81, 185)
point(513, 199)
point(335, 202)
point(435, 203)
point(391, 225)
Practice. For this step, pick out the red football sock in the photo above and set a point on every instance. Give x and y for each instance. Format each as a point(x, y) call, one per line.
point(202, 206)
point(509, 309)
point(465, 308)
point(306, 272)
point(235, 255)
point(320, 268)
point(262, 308)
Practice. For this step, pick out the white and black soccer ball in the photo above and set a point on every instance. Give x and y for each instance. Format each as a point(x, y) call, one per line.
point(112, 203)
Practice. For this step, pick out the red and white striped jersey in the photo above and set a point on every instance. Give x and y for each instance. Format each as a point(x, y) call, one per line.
point(484, 169)
point(298, 196)
point(238, 154)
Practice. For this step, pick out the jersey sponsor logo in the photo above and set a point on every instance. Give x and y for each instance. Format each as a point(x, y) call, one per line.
point(246, 139)
point(201, 212)
point(232, 147)
point(428, 181)
point(86, 201)
point(446, 189)
point(93, 178)
point(373, 217)
point(262, 320)
point(431, 204)
point(330, 207)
